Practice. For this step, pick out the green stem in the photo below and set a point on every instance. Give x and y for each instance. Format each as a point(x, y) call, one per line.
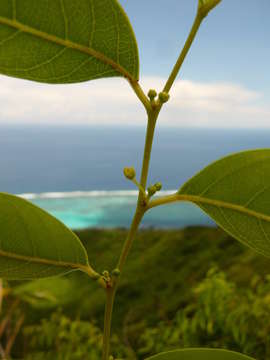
point(196, 25)
point(141, 95)
point(140, 210)
point(107, 323)
point(152, 118)
point(164, 200)
point(142, 205)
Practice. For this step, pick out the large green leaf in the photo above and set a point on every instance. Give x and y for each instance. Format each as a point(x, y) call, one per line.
point(200, 354)
point(33, 244)
point(235, 192)
point(66, 41)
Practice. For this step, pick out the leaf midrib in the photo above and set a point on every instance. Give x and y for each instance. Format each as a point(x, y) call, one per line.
point(67, 43)
point(222, 204)
point(42, 261)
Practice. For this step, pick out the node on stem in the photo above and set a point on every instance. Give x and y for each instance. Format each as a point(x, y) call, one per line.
point(205, 6)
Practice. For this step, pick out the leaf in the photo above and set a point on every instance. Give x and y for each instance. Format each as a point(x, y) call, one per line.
point(47, 293)
point(66, 41)
point(200, 354)
point(33, 244)
point(235, 192)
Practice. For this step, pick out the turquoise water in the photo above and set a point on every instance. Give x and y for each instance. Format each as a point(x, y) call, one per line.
point(114, 209)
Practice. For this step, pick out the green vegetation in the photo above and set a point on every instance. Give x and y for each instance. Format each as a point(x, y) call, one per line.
point(224, 299)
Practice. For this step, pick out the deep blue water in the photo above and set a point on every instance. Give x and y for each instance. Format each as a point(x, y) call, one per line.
point(38, 159)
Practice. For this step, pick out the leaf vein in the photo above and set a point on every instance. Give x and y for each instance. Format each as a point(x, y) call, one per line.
point(255, 196)
point(69, 44)
point(10, 37)
point(220, 203)
point(64, 17)
point(92, 33)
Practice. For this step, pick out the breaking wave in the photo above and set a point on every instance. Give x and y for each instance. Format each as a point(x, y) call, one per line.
point(87, 194)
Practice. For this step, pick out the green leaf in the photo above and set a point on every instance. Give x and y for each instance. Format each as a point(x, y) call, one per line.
point(200, 354)
point(47, 293)
point(235, 192)
point(66, 41)
point(33, 244)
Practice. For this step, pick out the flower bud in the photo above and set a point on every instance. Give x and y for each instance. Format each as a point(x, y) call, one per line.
point(129, 173)
point(152, 94)
point(116, 272)
point(158, 186)
point(163, 97)
point(106, 274)
point(151, 190)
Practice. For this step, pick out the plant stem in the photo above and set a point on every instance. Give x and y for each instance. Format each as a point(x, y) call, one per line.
point(142, 205)
point(141, 95)
point(164, 200)
point(197, 22)
point(152, 118)
point(107, 323)
point(139, 213)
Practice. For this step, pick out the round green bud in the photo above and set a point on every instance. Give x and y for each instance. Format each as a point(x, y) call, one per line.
point(163, 97)
point(129, 173)
point(116, 272)
point(158, 186)
point(152, 94)
point(106, 274)
point(151, 190)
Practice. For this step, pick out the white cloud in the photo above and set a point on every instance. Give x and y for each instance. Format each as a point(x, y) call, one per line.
point(111, 101)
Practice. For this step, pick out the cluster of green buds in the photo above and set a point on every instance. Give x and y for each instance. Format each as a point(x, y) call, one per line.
point(152, 189)
point(152, 94)
point(110, 277)
point(106, 276)
point(163, 97)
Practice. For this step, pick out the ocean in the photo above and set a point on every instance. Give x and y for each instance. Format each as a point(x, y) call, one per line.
point(75, 173)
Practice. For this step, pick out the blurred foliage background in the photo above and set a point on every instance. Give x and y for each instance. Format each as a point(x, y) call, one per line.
point(180, 288)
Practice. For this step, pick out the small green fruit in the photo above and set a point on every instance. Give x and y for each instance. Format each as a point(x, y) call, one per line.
point(163, 97)
point(151, 190)
point(116, 272)
point(158, 186)
point(152, 94)
point(106, 274)
point(129, 173)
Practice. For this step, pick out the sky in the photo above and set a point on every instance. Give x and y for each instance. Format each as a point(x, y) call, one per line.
point(224, 82)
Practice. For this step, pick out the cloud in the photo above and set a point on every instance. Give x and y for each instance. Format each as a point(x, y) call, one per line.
point(112, 101)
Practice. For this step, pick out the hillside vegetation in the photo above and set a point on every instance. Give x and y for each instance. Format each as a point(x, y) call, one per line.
point(180, 288)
